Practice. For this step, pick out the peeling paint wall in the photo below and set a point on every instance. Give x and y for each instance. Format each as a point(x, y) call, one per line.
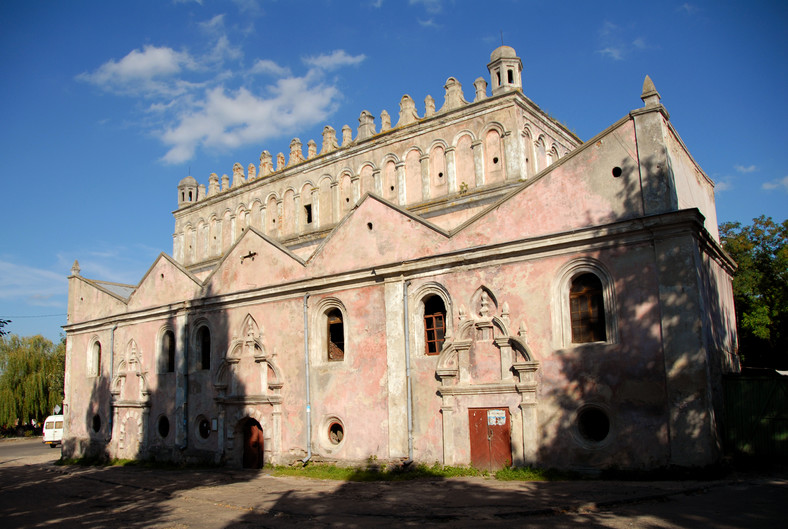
point(500, 243)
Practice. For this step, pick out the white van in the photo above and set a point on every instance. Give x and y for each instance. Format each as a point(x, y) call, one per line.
point(53, 430)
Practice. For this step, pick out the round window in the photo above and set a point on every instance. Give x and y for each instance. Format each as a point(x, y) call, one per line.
point(593, 424)
point(164, 426)
point(204, 428)
point(336, 432)
point(96, 423)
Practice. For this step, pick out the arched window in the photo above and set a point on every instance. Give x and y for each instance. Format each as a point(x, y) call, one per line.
point(434, 325)
point(585, 302)
point(204, 343)
point(168, 352)
point(335, 334)
point(94, 369)
point(587, 309)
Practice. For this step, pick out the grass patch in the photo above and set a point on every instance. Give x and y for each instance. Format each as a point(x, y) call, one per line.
point(375, 472)
point(533, 474)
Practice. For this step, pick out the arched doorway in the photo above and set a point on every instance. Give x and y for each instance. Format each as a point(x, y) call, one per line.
point(253, 444)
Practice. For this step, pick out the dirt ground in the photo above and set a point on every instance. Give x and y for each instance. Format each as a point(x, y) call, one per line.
point(36, 493)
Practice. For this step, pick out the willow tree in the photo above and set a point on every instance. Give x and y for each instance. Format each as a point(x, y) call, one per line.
point(31, 378)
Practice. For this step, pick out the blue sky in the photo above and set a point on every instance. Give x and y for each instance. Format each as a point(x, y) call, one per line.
point(106, 106)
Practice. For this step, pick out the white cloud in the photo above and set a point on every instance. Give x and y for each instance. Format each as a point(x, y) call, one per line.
point(35, 286)
point(429, 23)
point(265, 66)
point(723, 185)
point(211, 100)
point(229, 120)
point(777, 184)
point(746, 169)
point(618, 43)
point(431, 6)
point(376, 3)
point(141, 72)
point(212, 25)
point(333, 60)
point(608, 28)
point(616, 54)
point(248, 7)
point(688, 8)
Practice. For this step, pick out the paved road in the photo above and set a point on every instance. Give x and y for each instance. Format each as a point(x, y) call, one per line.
point(14, 449)
point(34, 493)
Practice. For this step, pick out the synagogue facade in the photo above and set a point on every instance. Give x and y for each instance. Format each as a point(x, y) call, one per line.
point(472, 284)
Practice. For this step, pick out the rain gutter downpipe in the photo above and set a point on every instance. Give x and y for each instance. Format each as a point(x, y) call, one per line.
point(306, 371)
point(407, 373)
point(111, 374)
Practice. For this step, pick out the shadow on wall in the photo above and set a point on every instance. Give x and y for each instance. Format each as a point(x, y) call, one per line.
point(645, 399)
point(162, 401)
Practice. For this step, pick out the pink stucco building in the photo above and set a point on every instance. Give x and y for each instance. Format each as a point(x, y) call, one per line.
point(472, 284)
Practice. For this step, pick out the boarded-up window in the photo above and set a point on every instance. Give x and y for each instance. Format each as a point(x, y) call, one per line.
point(390, 190)
point(434, 325)
point(95, 360)
point(335, 333)
point(168, 350)
point(493, 158)
point(204, 341)
point(587, 308)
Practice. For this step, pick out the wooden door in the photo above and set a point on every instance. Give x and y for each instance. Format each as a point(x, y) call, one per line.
point(490, 435)
point(253, 444)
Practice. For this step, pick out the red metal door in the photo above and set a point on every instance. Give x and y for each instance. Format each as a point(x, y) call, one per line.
point(253, 444)
point(490, 434)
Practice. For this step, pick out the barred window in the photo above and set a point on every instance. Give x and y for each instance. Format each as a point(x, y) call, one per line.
point(587, 309)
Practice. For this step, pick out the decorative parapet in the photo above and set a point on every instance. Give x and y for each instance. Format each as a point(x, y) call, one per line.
point(329, 140)
point(407, 111)
point(266, 164)
point(238, 175)
point(385, 121)
point(296, 152)
point(347, 136)
point(505, 69)
point(429, 106)
point(366, 126)
point(481, 89)
point(454, 97)
point(213, 184)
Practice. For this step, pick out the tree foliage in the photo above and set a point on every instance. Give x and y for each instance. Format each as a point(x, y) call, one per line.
point(3, 323)
point(31, 378)
point(760, 289)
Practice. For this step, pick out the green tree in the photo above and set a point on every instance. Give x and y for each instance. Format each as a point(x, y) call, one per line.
point(31, 378)
point(3, 323)
point(760, 289)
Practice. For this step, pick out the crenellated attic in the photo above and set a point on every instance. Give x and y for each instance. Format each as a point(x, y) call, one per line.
point(445, 166)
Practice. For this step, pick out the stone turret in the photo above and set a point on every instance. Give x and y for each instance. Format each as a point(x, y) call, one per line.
point(505, 70)
point(187, 191)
